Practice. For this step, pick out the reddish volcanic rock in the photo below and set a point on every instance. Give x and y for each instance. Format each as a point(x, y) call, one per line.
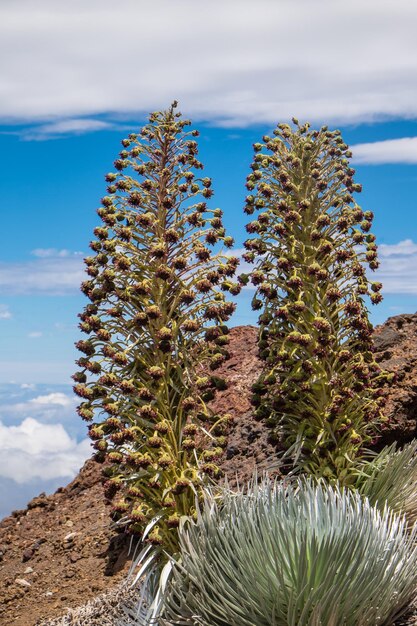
point(396, 351)
point(248, 444)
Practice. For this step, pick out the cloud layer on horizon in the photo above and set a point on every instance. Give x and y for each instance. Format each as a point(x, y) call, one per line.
point(232, 63)
point(32, 450)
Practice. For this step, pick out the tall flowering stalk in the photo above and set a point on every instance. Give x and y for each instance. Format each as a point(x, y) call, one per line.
point(155, 322)
point(320, 390)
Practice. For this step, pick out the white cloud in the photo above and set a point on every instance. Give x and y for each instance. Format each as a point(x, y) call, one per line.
point(234, 62)
point(402, 150)
point(55, 398)
point(5, 313)
point(33, 450)
point(49, 274)
point(35, 334)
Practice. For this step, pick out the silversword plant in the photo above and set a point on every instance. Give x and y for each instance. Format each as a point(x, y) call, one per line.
point(321, 389)
point(156, 329)
point(304, 553)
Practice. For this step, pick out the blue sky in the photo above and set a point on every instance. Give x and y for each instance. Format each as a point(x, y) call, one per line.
point(77, 78)
point(53, 185)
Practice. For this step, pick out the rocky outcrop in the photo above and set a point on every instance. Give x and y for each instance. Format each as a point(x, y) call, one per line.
point(396, 351)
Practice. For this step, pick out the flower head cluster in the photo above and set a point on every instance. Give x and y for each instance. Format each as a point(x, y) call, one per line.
point(156, 318)
point(310, 242)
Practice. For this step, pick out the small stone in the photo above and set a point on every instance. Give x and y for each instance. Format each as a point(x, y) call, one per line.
point(70, 537)
point(69, 523)
point(28, 570)
point(27, 554)
point(68, 541)
point(22, 582)
point(49, 594)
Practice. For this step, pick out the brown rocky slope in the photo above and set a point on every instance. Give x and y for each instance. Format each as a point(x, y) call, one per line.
point(62, 550)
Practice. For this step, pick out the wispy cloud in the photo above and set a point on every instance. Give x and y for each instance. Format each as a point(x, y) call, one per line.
point(35, 334)
point(405, 248)
point(236, 62)
point(46, 253)
point(5, 313)
point(402, 150)
point(64, 327)
point(65, 127)
point(53, 272)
